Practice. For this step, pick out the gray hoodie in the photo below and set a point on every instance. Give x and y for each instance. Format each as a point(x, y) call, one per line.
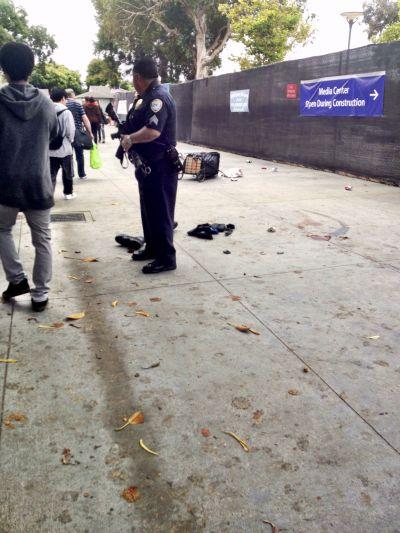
point(27, 124)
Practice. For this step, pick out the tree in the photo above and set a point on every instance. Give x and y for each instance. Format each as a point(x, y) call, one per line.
point(187, 36)
point(53, 75)
point(14, 26)
point(103, 72)
point(379, 16)
point(268, 29)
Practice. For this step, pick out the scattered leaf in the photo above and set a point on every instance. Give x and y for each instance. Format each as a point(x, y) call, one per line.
point(294, 392)
point(235, 298)
point(146, 449)
point(143, 313)
point(74, 278)
point(14, 417)
point(242, 443)
point(55, 325)
point(115, 303)
point(154, 365)
point(257, 415)
point(245, 329)
point(66, 456)
point(76, 316)
point(89, 260)
point(320, 237)
point(155, 299)
point(305, 370)
point(8, 361)
point(375, 337)
point(77, 252)
point(32, 319)
point(205, 432)
point(131, 494)
point(133, 420)
point(273, 526)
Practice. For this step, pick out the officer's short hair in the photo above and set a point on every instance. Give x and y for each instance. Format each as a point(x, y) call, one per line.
point(17, 61)
point(57, 94)
point(146, 67)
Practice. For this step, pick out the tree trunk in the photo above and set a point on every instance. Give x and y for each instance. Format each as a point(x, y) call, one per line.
point(201, 48)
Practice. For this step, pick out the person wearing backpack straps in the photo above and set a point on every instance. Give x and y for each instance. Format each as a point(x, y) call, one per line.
point(61, 146)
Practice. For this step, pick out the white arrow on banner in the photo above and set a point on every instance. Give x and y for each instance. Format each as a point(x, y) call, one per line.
point(375, 94)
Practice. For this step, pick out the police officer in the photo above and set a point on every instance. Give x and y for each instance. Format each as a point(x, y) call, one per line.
point(151, 132)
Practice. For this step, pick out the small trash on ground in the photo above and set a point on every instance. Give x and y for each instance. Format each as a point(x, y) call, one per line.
point(242, 443)
point(264, 168)
point(146, 449)
point(374, 337)
point(205, 432)
point(14, 417)
point(134, 420)
point(115, 303)
point(306, 370)
point(233, 173)
point(75, 278)
point(273, 526)
point(76, 316)
point(227, 252)
point(131, 494)
point(344, 238)
point(206, 231)
point(320, 237)
point(145, 314)
point(249, 161)
point(56, 325)
point(272, 229)
point(154, 365)
point(66, 456)
point(274, 169)
point(76, 326)
point(348, 188)
point(294, 392)
point(280, 253)
point(155, 299)
point(257, 415)
point(7, 361)
point(235, 298)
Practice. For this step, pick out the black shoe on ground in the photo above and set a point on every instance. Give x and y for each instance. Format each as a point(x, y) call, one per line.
point(38, 307)
point(16, 289)
point(133, 243)
point(156, 267)
point(143, 255)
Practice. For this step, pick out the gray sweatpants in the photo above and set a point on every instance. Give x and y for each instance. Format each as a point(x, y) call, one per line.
point(39, 223)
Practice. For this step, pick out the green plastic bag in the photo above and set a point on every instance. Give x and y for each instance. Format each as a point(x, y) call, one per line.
point(95, 159)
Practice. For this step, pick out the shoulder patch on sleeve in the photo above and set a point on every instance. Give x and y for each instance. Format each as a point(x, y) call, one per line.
point(156, 105)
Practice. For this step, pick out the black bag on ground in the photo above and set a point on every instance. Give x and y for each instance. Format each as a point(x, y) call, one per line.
point(83, 139)
point(203, 165)
point(57, 142)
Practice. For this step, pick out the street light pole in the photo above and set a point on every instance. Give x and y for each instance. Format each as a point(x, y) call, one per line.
point(351, 17)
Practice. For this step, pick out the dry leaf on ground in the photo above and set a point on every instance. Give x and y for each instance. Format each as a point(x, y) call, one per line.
point(235, 298)
point(257, 415)
point(8, 361)
point(74, 278)
point(320, 237)
point(32, 319)
point(14, 417)
point(133, 420)
point(294, 392)
point(143, 313)
point(66, 456)
point(76, 316)
point(131, 494)
point(273, 526)
point(55, 325)
point(245, 329)
point(242, 443)
point(115, 303)
point(155, 299)
point(146, 449)
point(205, 432)
point(89, 260)
point(154, 365)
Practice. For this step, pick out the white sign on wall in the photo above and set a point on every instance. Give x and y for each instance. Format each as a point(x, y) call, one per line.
point(240, 101)
point(122, 107)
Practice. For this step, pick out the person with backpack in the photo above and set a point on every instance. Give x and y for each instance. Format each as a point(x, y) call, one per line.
point(28, 123)
point(61, 146)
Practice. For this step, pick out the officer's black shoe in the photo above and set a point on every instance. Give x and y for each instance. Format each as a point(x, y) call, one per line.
point(16, 289)
point(175, 225)
point(143, 255)
point(38, 307)
point(156, 267)
point(133, 243)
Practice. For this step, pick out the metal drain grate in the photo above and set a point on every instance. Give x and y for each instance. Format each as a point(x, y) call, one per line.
point(68, 217)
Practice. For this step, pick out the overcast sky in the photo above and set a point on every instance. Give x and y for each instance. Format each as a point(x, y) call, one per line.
point(74, 27)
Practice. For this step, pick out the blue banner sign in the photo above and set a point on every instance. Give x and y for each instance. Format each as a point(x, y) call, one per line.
point(358, 95)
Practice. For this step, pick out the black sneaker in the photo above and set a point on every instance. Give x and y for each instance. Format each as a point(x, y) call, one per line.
point(133, 243)
point(16, 289)
point(156, 267)
point(143, 255)
point(38, 307)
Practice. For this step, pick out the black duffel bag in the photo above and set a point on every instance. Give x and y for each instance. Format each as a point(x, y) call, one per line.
point(203, 165)
point(83, 139)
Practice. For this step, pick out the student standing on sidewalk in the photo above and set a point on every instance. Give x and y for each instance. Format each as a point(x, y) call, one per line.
point(92, 111)
point(61, 157)
point(81, 123)
point(28, 123)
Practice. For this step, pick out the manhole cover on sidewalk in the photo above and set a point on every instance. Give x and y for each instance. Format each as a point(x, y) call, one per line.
point(68, 217)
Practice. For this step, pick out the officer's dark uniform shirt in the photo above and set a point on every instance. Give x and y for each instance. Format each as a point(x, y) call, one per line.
point(156, 110)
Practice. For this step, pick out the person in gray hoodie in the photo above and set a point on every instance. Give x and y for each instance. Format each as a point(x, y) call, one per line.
point(28, 123)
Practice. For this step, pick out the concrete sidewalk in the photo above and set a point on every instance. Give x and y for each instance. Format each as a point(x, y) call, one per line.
point(314, 396)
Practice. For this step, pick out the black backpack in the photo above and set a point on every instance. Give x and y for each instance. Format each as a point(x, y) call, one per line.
point(57, 142)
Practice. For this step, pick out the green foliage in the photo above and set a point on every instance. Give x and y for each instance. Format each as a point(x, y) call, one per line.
point(268, 29)
point(392, 33)
point(379, 16)
point(53, 75)
point(14, 26)
point(103, 72)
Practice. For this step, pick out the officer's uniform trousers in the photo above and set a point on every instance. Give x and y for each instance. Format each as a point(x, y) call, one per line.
point(157, 192)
